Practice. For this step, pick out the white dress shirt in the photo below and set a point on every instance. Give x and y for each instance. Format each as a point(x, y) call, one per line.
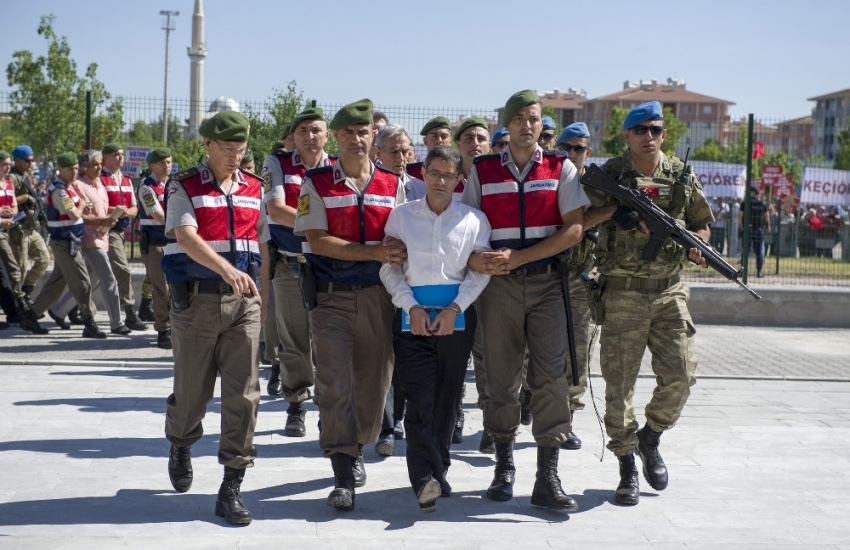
point(438, 248)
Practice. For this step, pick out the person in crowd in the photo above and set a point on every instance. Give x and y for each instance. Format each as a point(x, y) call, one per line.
point(759, 225)
point(25, 238)
point(548, 136)
point(379, 120)
point(436, 131)
point(721, 213)
point(500, 140)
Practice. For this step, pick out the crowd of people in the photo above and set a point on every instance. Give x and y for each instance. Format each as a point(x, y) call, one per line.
point(370, 280)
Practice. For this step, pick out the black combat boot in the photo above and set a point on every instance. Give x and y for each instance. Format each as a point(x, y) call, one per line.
point(572, 442)
point(132, 320)
point(74, 316)
point(502, 486)
point(275, 387)
point(163, 339)
point(297, 413)
point(654, 470)
point(29, 322)
point(91, 330)
point(486, 446)
point(457, 434)
point(628, 491)
point(547, 485)
point(180, 468)
point(121, 330)
point(60, 321)
point(342, 496)
point(525, 407)
point(359, 468)
point(146, 310)
point(228, 503)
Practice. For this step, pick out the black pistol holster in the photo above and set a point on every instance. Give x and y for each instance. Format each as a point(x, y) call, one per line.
point(74, 245)
point(180, 296)
point(595, 287)
point(144, 242)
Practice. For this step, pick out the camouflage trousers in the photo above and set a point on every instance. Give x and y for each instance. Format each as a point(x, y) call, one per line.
point(586, 334)
point(634, 321)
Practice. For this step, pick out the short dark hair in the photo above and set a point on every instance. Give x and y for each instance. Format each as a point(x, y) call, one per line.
point(378, 115)
point(444, 152)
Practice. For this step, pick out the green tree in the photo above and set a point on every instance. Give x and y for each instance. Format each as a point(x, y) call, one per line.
point(842, 158)
point(613, 144)
point(675, 130)
point(550, 112)
point(48, 98)
point(267, 127)
point(710, 150)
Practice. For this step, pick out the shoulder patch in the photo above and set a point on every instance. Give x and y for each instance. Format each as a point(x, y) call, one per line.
point(67, 203)
point(188, 173)
point(149, 200)
point(267, 181)
point(303, 205)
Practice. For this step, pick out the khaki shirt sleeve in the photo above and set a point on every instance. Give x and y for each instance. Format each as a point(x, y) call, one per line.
point(311, 213)
point(149, 201)
point(698, 211)
point(62, 201)
point(273, 175)
point(472, 190)
point(180, 211)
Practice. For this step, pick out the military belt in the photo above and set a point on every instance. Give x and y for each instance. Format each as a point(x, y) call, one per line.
point(204, 287)
point(551, 268)
point(640, 283)
point(330, 286)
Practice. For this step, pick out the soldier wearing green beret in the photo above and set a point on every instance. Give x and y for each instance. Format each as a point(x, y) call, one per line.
point(436, 131)
point(289, 138)
point(283, 172)
point(342, 211)
point(247, 162)
point(218, 274)
point(644, 304)
point(65, 225)
point(534, 203)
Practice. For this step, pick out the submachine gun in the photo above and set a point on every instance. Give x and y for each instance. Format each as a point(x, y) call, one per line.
point(661, 225)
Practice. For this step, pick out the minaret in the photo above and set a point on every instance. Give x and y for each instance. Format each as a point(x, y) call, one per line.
point(197, 53)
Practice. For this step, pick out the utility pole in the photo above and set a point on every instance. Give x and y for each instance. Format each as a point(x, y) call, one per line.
point(167, 27)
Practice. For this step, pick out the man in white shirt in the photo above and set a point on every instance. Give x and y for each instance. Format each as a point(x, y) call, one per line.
point(431, 354)
point(718, 228)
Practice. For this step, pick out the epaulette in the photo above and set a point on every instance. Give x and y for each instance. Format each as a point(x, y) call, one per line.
point(252, 174)
point(387, 170)
point(188, 173)
point(318, 170)
point(485, 157)
point(555, 154)
point(280, 153)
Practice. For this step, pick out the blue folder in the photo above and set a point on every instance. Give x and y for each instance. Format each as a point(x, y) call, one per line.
point(433, 299)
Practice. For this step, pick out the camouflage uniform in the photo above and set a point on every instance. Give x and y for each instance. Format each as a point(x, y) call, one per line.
point(644, 303)
point(586, 332)
point(25, 239)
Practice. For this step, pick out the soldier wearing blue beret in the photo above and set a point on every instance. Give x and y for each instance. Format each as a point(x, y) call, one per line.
point(548, 135)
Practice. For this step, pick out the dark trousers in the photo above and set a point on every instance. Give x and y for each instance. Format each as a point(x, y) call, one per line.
point(757, 238)
point(393, 408)
point(7, 295)
point(431, 371)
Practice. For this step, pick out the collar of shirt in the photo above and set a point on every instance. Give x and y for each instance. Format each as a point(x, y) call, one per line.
point(297, 160)
point(664, 166)
point(420, 208)
point(207, 175)
point(117, 175)
point(508, 161)
point(91, 183)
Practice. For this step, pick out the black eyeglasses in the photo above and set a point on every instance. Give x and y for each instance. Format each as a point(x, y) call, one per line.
point(579, 149)
point(547, 137)
point(641, 130)
point(500, 144)
point(28, 161)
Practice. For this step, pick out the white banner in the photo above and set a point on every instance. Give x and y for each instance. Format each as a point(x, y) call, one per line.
point(719, 179)
point(825, 186)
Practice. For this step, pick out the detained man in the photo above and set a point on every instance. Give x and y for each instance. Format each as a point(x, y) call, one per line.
point(434, 329)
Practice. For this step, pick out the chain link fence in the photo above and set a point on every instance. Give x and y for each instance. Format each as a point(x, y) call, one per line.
point(805, 227)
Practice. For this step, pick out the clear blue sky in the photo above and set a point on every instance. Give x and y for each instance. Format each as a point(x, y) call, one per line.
point(462, 53)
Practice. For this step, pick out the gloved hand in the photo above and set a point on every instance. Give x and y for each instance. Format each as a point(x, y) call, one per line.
point(626, 218)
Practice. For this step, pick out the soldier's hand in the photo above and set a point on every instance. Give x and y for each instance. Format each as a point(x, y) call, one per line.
point(444, 323)
point(419, 321)
point(240, 282)
point(497, 262)
point(6, 212)
point(695, 256)
point(395, 251)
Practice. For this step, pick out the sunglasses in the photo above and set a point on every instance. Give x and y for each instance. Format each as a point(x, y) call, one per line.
point(28, 161)
point(547, 137)
point(579, 149)
point(500, 144)
point(641, 130)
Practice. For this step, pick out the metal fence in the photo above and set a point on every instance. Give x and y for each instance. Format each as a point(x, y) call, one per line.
point(808, 241)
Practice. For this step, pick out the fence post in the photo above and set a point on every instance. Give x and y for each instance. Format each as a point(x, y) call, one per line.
point(745, 263)
point(88, 119)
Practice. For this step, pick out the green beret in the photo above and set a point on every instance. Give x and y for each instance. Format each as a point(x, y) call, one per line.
point(67, 159)
point(159, 154)
point(313, 113)
point(226, 126)
point(517, 102)
point(359, 112)
point(4, 155)
point(110, 148)
point(246, 158)
point(436, 122)
point(469, 123)
point(287, 131)
point(278, 145)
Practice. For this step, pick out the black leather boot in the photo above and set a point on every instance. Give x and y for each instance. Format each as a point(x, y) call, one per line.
point(547, 485)
point(163, 339)
point(228, 504)
point(525, 407)
point(486, 446)
point(60, 321)
point(502, 486)
point(132, 320)
point(91, 330)
point(275, 387)
point(342, 496)
point(146, 310)
point(295, 427)
point(359, 468)
point(628, 491)
point(180, 468)
point(654, 470)
point(74, 316)
point(30, 323)
point(457, 434)
point(572, 442)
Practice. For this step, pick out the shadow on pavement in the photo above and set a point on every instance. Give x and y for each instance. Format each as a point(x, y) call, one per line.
point(131, 373)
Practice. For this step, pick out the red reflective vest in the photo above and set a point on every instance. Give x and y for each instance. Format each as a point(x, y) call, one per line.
point(355, 218)
point(60, 225)
point(415, 170)
point(7, 193)
point(119, 194)
point(154, 229)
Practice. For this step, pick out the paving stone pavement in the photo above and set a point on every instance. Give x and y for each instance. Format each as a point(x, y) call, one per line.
point(753, 463)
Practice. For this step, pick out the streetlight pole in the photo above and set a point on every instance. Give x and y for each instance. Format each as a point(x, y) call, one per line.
point(167, 27)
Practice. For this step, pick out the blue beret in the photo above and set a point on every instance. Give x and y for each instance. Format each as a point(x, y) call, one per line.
point(548, 123)
point(651, 110)
point(574, 130)
point(22, 151)
point(500, 133)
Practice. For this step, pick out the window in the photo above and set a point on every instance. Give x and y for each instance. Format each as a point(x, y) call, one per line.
point(706, 110)
point(686, 108)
